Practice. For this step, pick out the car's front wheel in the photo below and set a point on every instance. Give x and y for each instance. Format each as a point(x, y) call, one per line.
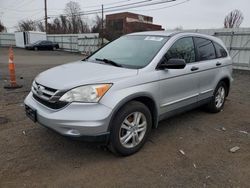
point(130, 128)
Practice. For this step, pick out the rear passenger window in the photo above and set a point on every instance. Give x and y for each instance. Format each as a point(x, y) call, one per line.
point(205, 49)
point(220, 51)
point(182, 49)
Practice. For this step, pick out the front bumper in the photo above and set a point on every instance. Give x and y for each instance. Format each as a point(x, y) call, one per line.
point(78, 120)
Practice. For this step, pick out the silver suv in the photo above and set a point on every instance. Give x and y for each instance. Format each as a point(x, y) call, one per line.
point(119, 93)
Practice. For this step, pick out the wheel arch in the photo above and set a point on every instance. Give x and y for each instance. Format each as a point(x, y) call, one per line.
point(144, 98)
point(226, 80)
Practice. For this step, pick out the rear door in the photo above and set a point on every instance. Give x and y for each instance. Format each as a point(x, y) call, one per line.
point(179, 87)
point(208, 67)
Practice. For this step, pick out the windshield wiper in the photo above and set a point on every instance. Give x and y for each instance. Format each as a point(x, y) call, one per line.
point(108, 61)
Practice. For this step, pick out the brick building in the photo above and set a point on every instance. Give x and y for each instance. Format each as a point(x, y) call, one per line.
point(126, 22)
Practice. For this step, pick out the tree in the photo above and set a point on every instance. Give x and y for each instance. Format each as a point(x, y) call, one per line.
point(73, 12)
point(41, 27)
point(27, 25)
point(233, 19)
point(65, 24)
point(179, 28)
point(2, 27)
point(70, 22)
point(97, 25)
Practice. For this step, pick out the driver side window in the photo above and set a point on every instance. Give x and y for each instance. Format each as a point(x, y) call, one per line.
point(182, 49)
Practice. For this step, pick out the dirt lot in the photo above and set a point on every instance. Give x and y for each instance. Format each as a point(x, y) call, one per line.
point(33, 156)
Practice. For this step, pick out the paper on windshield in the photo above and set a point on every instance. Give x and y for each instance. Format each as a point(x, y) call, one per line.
point(153, 38)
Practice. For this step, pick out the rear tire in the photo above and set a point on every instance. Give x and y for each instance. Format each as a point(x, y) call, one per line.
point(218, 99)
point(54, 48)
point(130, 128)
point(35, 48)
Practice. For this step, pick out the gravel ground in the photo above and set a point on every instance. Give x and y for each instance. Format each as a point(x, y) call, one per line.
point(33, 156)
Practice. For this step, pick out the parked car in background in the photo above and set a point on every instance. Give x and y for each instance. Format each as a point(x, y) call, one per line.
point(42, 45)
point(119, 93)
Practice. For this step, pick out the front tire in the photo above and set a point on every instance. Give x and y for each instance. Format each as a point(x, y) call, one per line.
point(218, 99)
point(130, 128)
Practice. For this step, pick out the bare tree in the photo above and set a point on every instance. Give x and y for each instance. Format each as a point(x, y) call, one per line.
point(41, 27)
point(179, 28)
point(27, 25)
point(2, 27)
point(97, 25)
point(71, 22)
point(233, 19)
point(73, 12)
point(65, 24)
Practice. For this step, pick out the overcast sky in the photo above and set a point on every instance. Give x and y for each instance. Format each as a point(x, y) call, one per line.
point(192, 14)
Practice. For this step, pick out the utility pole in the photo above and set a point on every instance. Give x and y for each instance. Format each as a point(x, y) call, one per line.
point(46, 18)
point(102, 32)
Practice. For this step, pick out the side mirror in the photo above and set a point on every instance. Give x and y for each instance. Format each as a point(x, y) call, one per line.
point(173, 64)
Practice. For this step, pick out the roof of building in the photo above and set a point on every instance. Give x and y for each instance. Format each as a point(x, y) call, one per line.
point(128, 13)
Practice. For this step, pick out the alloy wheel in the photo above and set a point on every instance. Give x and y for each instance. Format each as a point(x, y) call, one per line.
point(133, 130)
point(220, 97)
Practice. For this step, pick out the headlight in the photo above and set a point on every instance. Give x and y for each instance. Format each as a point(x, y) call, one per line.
point(88, 93)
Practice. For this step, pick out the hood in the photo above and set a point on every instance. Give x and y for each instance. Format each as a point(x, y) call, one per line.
point(79, 73)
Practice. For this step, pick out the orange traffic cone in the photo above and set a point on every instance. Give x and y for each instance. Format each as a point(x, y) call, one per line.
point(12, 84)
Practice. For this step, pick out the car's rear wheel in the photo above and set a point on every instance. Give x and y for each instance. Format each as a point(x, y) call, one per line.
point(218, 99)
point(36, 48)
point(54, 48)
point(130, 128)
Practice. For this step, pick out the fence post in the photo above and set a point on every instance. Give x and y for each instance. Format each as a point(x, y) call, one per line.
point(231, 43)
point(62, 42)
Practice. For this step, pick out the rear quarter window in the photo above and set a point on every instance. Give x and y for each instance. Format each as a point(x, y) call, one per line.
point(220, 51)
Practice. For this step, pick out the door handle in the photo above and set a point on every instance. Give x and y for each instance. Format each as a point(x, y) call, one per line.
point(218, 64)
point(194, 68)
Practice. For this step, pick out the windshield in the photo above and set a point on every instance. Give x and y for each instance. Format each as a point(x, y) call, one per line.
point(37, 42)
point(131, 51)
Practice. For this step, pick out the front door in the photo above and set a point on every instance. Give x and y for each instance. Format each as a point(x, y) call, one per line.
point(179, 87)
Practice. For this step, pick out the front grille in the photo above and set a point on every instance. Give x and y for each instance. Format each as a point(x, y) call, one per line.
point(47, 96)
point(54, 105)
point(42, 91)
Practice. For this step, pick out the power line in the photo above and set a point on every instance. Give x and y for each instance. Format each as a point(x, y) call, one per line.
point(33, 10)
point(144, 5)
point(15, 4)
point(118, 2)
point(22, 4)
point(117, 8)
point(165, 7)
point(21, 11)
point(138, 4)
point(29, 17)
point(135, 3)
